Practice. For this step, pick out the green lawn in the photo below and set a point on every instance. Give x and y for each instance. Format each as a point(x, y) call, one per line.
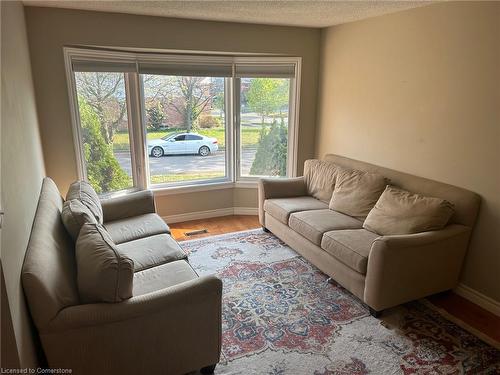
point(158, 179)
point(249, 137)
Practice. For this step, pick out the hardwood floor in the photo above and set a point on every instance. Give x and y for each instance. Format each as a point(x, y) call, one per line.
point(214, 226)
point(468, 312)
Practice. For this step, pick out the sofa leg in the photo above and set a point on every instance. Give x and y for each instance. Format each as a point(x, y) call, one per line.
point(208, 370)
point(266, 230)
point(375, 313)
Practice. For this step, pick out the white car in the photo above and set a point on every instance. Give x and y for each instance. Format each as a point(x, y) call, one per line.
point(182, 143)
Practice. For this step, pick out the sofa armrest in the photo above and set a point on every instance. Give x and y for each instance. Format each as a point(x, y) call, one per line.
point(279, 188)
point(402, 268)
point(133, 204)
point(171, 331)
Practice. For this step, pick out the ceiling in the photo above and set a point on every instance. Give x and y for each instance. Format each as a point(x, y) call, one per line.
point(273, 12)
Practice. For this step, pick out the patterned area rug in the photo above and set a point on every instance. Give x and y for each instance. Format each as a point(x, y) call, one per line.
point(281, 316)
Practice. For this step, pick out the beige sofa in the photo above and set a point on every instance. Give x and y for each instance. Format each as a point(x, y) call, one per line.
point(382, 271)
point(172, 323)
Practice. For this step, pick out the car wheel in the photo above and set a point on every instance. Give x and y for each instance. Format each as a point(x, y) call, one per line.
point(157, 152)
point(204, 151)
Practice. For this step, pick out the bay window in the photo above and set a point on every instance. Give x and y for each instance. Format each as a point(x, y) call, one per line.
point(177, 121)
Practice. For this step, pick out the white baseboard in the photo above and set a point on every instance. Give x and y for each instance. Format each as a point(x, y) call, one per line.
point(210, 213)
point(246, 211)
point(478, 298)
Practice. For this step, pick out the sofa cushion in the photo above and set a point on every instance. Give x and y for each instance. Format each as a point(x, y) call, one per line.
point(400, 212)
point(74, 214)
point(86, 194)
point(103, 273)
point(163, 276)
point(312, 224)
point(356, 192)
point(351, 247)
point(133, 228)
point(281, 208)
point(152, 251)
point(320, 178)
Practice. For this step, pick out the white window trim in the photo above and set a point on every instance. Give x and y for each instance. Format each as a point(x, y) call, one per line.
point(138, 140)
point(75, 115)
point(293, 111)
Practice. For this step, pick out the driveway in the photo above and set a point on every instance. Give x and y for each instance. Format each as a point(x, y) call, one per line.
point(188, 163)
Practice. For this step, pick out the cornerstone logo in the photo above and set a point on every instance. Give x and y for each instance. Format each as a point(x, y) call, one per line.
point(38, 370)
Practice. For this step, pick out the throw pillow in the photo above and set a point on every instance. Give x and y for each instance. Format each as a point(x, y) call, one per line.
point(400, 212)
point(103, 274)
point(320, 178)
point(86, 194)
point(356, 192)
point(74, 214)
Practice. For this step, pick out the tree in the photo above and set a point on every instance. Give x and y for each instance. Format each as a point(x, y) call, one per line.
point(103, 170)
point(104, 92)
point(267, 95)
point(218, 101)
point(155, 116)
point(193, 96)
point(270, 158)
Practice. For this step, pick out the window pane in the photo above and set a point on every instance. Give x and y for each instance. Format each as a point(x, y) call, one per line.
point(102, 104)
point(264, 107)
point(186, 128)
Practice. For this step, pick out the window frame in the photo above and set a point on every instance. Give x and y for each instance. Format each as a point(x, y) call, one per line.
point(137, 120)
point(227, 178)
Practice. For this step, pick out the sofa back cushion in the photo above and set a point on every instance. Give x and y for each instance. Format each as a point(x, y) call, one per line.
point(86, 194)
point(401, 212)
point(74, 214)
point(320, 179)
point(465, 202)
point(104, 274)
point(356, 192)
point(49, 269)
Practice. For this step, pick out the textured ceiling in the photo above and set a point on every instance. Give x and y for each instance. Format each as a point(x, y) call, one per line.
point(292, 13)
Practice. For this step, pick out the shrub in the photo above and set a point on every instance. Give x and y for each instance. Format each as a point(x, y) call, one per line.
point(103, 170)
point(209, 121)
point(270, 158)
point(155, 117)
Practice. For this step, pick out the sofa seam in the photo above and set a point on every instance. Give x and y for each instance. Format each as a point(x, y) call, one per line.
point(301, 220)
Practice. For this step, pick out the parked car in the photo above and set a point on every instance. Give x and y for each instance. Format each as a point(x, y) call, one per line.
point(182, 143)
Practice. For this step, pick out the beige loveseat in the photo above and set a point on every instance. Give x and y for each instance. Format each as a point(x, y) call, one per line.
point(383, 271)
point(172, 323)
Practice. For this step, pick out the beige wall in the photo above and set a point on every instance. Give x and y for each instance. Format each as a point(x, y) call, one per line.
point(21, 165)
point(419, 91)
point(214, 199)
point(51, 29)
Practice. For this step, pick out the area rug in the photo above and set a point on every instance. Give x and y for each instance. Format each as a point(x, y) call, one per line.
point(281, 316)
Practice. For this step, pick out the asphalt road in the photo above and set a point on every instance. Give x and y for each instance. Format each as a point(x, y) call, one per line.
point(188, 163)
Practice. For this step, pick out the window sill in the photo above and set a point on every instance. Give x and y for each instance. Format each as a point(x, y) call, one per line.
point(160, 191)
point(247, 184)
